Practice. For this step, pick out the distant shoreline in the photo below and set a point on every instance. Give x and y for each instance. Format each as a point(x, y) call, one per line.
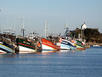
point(92, 43)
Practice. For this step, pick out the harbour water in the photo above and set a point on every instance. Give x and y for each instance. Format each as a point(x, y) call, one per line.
point(87, 63)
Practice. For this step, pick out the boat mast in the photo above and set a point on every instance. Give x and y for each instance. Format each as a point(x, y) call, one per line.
point(0, 24)
point(66, 30)
point(23, 30)
point(46, 28)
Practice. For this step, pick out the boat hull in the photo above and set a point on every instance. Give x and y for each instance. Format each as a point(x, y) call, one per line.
point(80, 48)
point(2, 52)
point(48, 46)
point(26, 50)
point(66, 45)
point(5, 49)
point(25, 46)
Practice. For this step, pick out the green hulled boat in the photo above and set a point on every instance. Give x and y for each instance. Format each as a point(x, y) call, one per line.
point(25, 45)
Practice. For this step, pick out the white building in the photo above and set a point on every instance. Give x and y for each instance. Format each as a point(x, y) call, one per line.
point(83, 26)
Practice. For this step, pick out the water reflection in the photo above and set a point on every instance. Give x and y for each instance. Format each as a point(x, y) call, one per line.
point(8, 55)
point(64, 51)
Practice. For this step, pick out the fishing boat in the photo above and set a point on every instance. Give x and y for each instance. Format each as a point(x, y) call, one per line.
point(48, 46)
point(65, 42)
point(96, 45)
point(6, 48)
point(80, 45)
point(25, 45)
point(66, 45)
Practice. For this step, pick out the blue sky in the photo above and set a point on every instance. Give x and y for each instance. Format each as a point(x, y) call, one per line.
point(33, 13)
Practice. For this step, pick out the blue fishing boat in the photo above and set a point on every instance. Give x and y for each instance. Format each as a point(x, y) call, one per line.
point(66, 45)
